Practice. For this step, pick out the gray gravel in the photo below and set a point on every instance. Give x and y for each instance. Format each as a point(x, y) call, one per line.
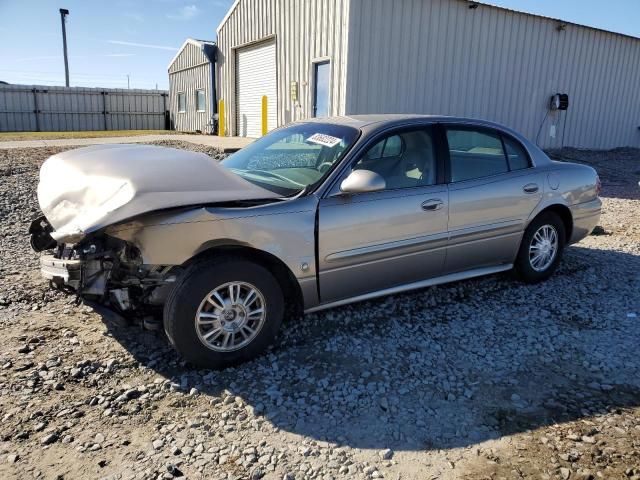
point(480, 378)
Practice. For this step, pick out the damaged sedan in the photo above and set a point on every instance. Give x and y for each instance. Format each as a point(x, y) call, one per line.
point(314, 215)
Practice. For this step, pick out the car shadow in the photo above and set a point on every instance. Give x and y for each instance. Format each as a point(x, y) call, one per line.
point(444, 367)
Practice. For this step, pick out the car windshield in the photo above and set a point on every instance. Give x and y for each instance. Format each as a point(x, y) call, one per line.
point(291, 159)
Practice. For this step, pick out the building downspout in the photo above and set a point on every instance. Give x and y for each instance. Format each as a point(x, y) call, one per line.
point(213, 96)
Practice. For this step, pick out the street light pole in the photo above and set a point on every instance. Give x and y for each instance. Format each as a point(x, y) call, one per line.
point(63, 14)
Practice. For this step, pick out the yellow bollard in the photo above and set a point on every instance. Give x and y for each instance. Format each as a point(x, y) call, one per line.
point(221, 130)
point(264, 116)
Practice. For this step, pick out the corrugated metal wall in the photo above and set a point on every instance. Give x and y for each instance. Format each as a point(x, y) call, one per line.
point(305, 31)
point(191, 71)
point(44, 108)
point(441, 57)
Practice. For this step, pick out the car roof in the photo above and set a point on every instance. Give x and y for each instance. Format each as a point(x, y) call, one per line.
point(391, 119)
point(376, 122)
point(359, 121)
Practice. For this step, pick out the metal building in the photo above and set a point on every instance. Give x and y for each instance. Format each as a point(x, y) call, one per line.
point(192, 89)
point(451, 57)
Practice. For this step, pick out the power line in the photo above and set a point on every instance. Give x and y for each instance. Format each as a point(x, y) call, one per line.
point(41, 72)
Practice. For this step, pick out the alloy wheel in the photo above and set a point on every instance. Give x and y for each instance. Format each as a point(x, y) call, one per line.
point(543, 248)
point(230, 316)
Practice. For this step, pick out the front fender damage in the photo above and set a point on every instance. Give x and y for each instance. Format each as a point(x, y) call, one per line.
point(105, 270)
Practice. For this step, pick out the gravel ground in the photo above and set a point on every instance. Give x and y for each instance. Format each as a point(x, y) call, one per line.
point(487, 378)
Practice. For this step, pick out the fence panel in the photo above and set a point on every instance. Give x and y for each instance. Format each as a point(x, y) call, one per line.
point(57, 109)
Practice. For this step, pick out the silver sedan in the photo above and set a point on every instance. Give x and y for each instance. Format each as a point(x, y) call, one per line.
point(314, 215)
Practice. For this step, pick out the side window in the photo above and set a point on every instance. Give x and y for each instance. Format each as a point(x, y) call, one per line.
point(404, 159)
point(518, 157)
point(475, 154)
point(182, 102)
point(374, 152)
point(392, 147)
point(387, 147)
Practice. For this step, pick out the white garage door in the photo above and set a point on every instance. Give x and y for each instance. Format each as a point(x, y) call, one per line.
point(255, 77)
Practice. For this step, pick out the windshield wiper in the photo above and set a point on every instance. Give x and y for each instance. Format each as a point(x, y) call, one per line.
point(299, 194)
point(265, 173)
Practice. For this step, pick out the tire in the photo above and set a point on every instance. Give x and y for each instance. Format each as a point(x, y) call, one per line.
point(526, 268)
point(188, 299)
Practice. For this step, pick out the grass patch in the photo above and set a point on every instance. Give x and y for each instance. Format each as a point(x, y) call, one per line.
point(14, 136)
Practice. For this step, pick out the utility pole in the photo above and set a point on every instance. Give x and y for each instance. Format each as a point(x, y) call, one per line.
point(63, 14)
point(128, 87)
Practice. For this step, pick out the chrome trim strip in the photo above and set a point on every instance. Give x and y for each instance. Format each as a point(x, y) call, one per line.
point(586, 209)
point(439, 240)
point(452, 277)
point(481, 232)
point(590, 214)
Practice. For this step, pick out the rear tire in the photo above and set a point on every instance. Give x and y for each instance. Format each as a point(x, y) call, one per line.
point(223, 311)
point(541, 248)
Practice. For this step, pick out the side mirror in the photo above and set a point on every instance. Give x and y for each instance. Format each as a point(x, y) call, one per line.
point(362, 181)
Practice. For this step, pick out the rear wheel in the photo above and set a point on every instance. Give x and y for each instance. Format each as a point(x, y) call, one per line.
point(541, 248)
point(223, 312)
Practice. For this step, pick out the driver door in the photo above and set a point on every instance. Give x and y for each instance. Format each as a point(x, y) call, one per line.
point(377, 240)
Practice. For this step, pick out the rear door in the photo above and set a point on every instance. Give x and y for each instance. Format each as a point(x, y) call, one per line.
point(493, 189)
point(371, 241)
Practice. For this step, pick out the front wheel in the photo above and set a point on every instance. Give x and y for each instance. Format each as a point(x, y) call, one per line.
point(223, 312)
point(541, 248)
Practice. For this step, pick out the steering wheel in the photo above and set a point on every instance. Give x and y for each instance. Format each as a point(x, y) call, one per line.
point(324, 167)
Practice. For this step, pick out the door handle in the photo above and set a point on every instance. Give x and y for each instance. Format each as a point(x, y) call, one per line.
point(531, 188)
point(432, 205)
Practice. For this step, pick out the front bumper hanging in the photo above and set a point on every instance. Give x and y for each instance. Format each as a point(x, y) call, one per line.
point(62, 272)
point(84, 276)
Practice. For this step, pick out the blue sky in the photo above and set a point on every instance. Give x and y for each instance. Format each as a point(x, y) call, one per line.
point(108, 40)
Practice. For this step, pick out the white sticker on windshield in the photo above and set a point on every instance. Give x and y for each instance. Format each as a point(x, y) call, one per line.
point(322, 139)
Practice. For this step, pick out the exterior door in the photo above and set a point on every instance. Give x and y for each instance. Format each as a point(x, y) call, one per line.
point(492, 192)
point(255, 78)
point(372, 241)
point(321, 89)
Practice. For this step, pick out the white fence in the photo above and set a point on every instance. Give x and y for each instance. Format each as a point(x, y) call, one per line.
point(34, 108)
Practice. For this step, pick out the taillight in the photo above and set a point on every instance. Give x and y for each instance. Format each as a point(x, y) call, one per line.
point(598, 185)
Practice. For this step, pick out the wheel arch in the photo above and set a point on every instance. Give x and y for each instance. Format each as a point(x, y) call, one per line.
point(565, 215)
point(283, 274)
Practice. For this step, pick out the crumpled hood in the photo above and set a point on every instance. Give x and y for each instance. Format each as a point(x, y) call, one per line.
point(83, 190)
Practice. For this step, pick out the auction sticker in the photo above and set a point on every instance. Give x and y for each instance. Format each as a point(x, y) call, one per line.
point(322, 139)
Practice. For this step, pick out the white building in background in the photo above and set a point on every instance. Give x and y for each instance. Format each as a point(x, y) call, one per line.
point(192, 93)
point(453, 57)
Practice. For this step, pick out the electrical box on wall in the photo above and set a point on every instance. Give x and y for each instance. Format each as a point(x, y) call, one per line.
point(294, 91)
point(559, 101)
